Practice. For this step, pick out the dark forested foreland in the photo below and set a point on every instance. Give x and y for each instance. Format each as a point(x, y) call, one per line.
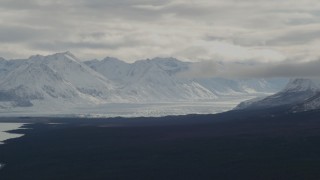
point(233, 145)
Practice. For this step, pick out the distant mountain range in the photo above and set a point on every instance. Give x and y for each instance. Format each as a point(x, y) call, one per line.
point(61, 80)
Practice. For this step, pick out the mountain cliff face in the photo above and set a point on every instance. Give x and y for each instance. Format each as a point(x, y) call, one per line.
point(299, 94)
point(312, 103)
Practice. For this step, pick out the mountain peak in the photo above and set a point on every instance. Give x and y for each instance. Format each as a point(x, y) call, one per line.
point(57, 56)
point(37, 56)
point(67, 54)
point(111, 59)
point(164, 59)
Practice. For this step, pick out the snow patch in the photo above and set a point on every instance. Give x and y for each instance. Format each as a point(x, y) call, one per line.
point(4, 127)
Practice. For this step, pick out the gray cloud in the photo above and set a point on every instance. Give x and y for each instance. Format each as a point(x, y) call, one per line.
point(18, 34)
point(135, 29)
point(297, 37)
point(18, 5)
point(62, 45)
point(286, 69)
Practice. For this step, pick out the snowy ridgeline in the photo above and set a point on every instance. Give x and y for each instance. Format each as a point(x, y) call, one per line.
point(60, 81)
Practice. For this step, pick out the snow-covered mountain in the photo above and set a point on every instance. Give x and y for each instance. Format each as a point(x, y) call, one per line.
point(151, 80)
point(63, 81)
point(299, 94)
point(6, 66)
point(226, 87)
point(59, 77)
point(112, 68)
point(160, 77)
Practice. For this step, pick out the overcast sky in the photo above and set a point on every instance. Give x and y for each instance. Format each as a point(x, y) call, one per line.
point(230, 30)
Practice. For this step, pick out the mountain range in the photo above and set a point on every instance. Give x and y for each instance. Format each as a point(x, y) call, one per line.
point(61, 80)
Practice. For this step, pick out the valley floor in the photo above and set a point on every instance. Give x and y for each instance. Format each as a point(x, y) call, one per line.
point(233, 145)
point(155, 109)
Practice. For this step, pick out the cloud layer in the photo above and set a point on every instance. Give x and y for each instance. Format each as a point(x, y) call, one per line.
point(229, 30)
point(236, 70)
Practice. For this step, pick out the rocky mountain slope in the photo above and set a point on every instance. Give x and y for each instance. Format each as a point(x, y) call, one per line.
point(299, 94)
